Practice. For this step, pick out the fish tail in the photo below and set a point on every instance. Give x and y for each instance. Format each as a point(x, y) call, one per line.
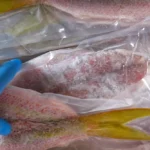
point(112, 124)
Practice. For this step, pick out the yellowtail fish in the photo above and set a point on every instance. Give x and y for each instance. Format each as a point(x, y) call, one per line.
point(40, 123)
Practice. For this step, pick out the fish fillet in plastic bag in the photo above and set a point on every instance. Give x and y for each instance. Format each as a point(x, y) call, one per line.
point(139, 95)
point(95, 96)
point(83, 73)
point(37, 125)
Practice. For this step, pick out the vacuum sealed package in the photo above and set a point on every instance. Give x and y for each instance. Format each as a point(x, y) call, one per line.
point(90, 89)
point(37, 26)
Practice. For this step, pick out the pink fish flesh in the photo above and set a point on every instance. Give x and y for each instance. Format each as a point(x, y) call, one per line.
point(102, 74)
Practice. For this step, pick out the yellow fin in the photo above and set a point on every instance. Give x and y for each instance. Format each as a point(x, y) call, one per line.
point(118, 116)
point(111, 124)
point(118, 131)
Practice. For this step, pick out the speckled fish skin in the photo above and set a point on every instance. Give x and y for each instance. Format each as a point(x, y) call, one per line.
point(42, 136)
point(106, 11)
point(58, 125)
point(102, 74)
point(36, 121)
point(30, 105)
point(35, 66)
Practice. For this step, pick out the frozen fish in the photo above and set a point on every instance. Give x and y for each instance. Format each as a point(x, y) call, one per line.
point(86, 74)
point(40, 123)
point(29, 111)
point(104, 11)
point(101, 11)
point(30, 105)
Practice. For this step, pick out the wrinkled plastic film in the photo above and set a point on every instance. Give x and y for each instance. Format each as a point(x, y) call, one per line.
point(124, 99)
point(47, 26)
point(90, 90)
point(128, 98)
point(83, 106)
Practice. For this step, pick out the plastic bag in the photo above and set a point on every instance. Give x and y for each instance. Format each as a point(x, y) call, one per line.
point(83, 73)
point(42, 125)
point(40, 78)
point(138, 96)
point(50, 25)
point(102, 82)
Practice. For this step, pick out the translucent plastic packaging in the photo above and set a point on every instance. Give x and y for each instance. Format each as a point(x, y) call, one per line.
point(54, 24)
point(91, 89)
point(124, 97)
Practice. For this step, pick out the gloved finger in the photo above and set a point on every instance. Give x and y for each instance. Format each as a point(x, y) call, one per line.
point(5, 127)
point(8, 71)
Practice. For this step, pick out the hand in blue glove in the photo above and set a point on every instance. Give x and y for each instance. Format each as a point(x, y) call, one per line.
point(7, 72)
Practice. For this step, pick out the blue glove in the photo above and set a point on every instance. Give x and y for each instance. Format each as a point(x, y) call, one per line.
point(8, 71)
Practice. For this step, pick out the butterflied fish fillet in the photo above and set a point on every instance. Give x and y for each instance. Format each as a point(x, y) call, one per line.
point(102, 74)
point(30, 105)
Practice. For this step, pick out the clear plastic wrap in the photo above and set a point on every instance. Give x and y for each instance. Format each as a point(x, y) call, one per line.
point(126, 70)
point(51, 24)
point(91, 90)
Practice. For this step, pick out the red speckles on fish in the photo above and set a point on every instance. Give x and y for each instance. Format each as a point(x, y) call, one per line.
point(37, 79)
point(38, 122)
point(101, 74)
point(44, 144)
point(26, 104)
point(104, 11)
